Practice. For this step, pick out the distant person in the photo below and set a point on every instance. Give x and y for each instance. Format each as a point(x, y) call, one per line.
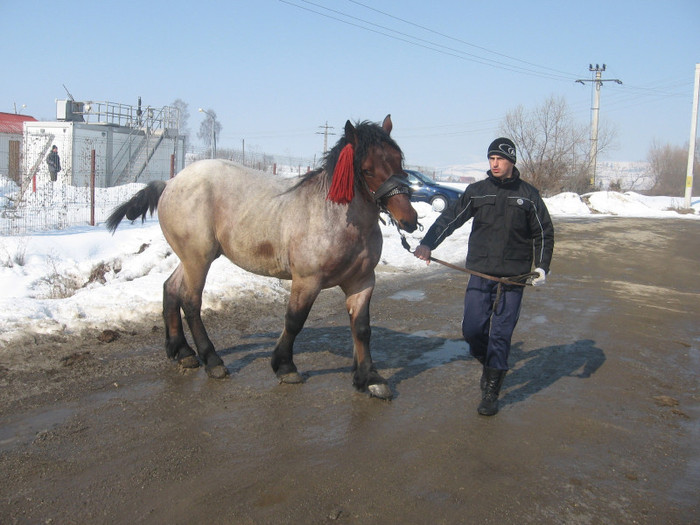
point(511, 230)
point(54, 162)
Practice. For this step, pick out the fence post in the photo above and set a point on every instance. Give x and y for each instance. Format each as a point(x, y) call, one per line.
point(92, 187)
point(172, 166)
point(274, 169)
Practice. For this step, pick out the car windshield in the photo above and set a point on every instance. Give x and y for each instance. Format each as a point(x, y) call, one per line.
point(420, 176)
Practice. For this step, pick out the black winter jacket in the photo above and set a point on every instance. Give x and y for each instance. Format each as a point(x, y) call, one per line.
point(511, 228)
point(54, 162)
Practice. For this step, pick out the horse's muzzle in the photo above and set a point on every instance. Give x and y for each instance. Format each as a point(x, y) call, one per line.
point(410, 228)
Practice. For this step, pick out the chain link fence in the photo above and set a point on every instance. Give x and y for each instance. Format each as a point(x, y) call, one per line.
point(44, 206)
point(35, 203)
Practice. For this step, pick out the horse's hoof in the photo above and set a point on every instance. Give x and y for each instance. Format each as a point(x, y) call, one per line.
point(380, 390)
point(292, 378)
point(217, 372)
point(189, 361)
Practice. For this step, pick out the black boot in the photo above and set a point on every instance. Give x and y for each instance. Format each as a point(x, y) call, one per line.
point(489, 399)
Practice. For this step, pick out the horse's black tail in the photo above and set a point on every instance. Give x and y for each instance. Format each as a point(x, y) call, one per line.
point(140, 204)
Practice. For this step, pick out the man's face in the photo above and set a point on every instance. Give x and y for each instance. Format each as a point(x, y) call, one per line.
point(501, 167)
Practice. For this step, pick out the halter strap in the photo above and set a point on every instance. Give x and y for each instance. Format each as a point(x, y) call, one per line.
point(390, 187)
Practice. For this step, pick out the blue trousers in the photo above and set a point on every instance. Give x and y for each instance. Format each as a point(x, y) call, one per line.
point(488, 328)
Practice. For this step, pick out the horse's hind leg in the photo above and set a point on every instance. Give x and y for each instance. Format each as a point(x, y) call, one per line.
point(191, 298)
point(365, 375)
point(302, 297)
point(176, 346)
point(184, 290)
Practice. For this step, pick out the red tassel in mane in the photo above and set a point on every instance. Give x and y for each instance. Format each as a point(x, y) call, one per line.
point(342, 186)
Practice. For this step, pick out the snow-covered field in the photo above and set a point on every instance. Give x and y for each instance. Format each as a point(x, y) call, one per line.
point(83, 277)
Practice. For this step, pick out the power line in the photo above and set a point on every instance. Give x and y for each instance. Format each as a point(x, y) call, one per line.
point(436, 131)
point(423, 43)
point(662, 90)
point(456, 39)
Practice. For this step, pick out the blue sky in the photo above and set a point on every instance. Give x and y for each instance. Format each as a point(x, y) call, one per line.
point(276, 71)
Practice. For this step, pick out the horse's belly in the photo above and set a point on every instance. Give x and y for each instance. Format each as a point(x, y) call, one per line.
point(250, 248)
point(260, 265)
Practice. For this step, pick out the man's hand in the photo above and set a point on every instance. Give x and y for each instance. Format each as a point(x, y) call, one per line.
point(540, 279)
point(423, 253)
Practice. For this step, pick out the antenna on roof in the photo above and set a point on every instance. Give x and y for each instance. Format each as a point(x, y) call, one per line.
point(69, 95)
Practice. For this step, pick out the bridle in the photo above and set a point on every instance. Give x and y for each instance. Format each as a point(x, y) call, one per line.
point(394, 185)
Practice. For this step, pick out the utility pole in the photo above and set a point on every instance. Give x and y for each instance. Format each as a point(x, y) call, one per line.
point(693, 137)
point(597, 84)
point(325, 135)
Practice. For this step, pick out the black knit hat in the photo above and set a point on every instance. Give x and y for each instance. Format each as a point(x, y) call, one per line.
point(503, 147)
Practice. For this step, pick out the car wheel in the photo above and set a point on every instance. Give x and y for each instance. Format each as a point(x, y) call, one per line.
point(439, 203)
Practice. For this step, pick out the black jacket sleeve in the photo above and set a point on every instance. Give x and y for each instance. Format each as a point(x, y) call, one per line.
point(449, 220)
point(543, 234)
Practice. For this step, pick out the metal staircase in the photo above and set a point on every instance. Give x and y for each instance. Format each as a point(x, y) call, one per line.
point(147, 128)
point(136, 153)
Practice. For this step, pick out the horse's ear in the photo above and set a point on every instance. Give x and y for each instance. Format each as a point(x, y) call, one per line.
point(350, 133)
point(387, 124)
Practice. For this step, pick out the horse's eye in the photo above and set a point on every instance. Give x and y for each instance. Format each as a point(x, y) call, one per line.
point(367, 173)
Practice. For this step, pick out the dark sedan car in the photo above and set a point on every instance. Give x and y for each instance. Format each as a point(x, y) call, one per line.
point(427, 190)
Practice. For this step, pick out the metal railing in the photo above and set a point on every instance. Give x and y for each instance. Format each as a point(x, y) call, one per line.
point(126, 115)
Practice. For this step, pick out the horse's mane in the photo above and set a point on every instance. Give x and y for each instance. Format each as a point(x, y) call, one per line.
point(368, 134)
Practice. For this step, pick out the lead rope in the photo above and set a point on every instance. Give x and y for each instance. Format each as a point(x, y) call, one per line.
point(514, 280)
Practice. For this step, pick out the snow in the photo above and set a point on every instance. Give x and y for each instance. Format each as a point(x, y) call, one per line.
point(85, 278)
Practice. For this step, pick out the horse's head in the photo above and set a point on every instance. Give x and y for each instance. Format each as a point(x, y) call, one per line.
point(371, 154)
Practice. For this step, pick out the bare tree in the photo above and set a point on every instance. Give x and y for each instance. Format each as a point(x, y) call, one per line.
point(205, 133)
point(553, 151)
point(668, 167)
point(183, 108)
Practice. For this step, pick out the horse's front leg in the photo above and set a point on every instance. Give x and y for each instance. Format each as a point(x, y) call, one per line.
point(302, 297)
point(365, 375)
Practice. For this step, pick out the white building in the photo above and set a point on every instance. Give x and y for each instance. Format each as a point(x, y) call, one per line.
point(130, 144)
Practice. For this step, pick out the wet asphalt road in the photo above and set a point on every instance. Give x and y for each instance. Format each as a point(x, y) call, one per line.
point(599, 419)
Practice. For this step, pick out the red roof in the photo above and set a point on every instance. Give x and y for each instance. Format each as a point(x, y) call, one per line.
point(11, 123)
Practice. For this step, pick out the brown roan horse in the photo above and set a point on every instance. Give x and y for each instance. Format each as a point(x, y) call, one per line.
point(320, 231)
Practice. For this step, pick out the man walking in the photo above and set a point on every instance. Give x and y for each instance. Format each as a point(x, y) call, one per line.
point(511, 231)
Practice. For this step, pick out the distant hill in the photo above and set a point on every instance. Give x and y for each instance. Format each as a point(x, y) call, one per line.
point(463, 172)
point(631, 175)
